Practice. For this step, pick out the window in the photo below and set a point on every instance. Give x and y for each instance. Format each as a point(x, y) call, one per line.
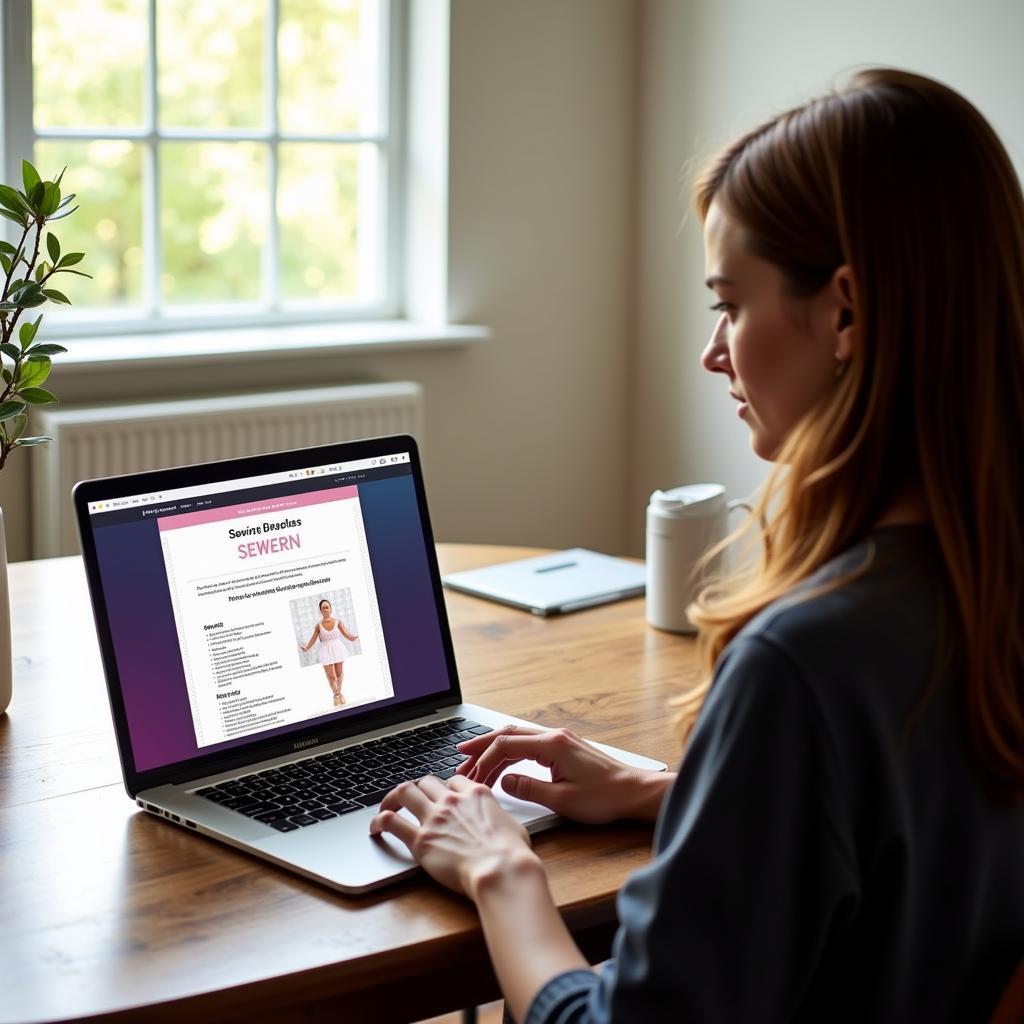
point(235, 160)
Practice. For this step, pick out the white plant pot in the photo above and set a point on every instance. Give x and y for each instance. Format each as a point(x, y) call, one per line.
point(6, 661)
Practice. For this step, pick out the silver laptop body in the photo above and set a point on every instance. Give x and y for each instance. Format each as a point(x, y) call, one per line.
point(205, 581)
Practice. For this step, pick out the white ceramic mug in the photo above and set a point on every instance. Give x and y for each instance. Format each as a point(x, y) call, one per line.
point(682, 524)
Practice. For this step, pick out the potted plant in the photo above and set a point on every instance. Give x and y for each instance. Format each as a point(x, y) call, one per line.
point(28, 267)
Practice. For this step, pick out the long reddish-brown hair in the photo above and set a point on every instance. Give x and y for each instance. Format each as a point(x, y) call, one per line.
point(901, 179)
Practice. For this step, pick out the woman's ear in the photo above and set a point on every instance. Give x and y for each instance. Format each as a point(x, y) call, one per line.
point(844, 299)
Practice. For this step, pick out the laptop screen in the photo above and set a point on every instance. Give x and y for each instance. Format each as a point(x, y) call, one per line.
point(262, 606)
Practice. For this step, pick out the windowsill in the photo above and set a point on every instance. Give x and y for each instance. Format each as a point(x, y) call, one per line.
point(197, 348)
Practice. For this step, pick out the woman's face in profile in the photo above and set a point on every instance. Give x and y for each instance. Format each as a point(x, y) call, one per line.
point(779, 352)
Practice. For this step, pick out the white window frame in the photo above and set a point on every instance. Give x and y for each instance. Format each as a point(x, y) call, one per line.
point(19, 136)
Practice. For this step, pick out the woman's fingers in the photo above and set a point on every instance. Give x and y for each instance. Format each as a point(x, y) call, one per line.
point(508, 749)
point(462, 825)
point(475, 747)
point(391, 821)
point(460, 784)
point(432, 786)
point(417, 797)
point(480, 743)
point(537, 791)
point(410, 796)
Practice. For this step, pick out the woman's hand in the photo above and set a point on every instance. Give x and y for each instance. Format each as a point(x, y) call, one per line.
point(586, 784)
point(468, 843)
point(463, 835)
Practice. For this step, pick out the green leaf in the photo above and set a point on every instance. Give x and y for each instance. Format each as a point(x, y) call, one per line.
point(56, 296)
point(11, 408)
point(7, 247)
point(21, 219)
point(28, 332)
point(17, 426)
point(70, 259)
point(49, 349)
point(58, 216)
point(27, 442)
point(9, 307)
point(5, 262)
point(78, 273)
point(29, 176)
point(35, 197)
point(41, 271)
point(25, 291)
point(52, 246)
point(51, 197)
point(37, 396)
point(13, 199)
point(11, 351)
point(33, 372)
point(67, 199)
point(57, 180)
point(6, 374)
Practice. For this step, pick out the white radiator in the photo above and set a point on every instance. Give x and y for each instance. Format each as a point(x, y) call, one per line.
point(105, 440)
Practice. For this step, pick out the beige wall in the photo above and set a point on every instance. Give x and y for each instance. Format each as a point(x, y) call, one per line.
point(710, 69)
point(525, 434)
point(541, 246)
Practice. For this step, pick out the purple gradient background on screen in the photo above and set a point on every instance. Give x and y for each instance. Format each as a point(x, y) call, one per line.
point(146, 642)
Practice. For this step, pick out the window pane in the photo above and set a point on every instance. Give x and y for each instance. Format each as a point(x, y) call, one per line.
point(212, 220)
point(210, 61)
point(88, 61)
point(106, 176)
point(328, 213)
point(328, 66)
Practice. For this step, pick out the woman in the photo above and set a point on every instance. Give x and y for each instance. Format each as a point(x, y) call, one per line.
point(844, 839)
point(332, 653)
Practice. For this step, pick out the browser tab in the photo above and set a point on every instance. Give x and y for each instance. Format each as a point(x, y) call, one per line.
point(293, 477)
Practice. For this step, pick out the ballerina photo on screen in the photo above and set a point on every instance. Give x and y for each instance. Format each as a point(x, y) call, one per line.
point(331, 634)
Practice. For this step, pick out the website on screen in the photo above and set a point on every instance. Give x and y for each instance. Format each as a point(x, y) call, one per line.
point(250, 608)
point(271, 600)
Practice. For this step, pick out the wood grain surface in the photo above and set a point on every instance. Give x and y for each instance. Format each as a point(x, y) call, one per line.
point(109, 913)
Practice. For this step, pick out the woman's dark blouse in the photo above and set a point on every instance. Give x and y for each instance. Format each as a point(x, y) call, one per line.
point(815, 861)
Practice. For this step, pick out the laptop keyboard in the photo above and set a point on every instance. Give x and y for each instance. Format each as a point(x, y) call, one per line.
point(325, 786)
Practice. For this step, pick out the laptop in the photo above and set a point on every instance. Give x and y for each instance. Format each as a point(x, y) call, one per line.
point(277, 651)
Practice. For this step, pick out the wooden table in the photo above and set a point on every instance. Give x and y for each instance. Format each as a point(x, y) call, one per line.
point(107, 912)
